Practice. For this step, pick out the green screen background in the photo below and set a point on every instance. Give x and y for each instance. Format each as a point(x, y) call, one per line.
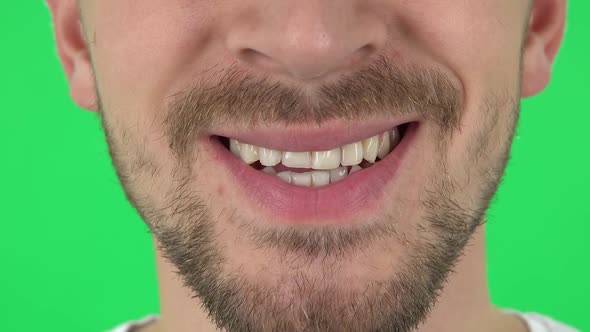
point(74, 255)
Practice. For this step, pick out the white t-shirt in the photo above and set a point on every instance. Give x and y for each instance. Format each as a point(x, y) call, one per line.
point(535, 322)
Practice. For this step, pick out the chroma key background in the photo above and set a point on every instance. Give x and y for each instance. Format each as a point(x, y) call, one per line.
point(75, 256)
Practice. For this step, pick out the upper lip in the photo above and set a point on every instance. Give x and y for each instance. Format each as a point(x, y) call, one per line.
point(326, 136)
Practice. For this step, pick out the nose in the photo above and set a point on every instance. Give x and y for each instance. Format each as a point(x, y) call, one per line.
point(305, 39)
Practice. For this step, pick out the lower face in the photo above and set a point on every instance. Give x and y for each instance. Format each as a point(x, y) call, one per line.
point(312, 217)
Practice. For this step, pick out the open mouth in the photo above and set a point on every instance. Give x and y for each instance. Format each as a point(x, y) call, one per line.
point(338, 173)
point(318, 168)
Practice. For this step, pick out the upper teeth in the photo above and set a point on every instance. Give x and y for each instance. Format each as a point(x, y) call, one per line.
point(347, 155)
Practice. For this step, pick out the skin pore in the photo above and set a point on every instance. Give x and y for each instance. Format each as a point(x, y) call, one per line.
point(163, 75)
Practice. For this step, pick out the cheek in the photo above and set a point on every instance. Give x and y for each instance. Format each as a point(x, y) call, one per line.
point(479, 154)
point(142, 48)
point(479, 41)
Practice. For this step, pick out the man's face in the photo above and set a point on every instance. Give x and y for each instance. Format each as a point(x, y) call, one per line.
point(177, 80)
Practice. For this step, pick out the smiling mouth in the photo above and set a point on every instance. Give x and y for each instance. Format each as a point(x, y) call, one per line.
point(337, 173)
point(318, 168)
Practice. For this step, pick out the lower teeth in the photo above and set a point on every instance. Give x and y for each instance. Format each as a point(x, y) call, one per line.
point(314, 178)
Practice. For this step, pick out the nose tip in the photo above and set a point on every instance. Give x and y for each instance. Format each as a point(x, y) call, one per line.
point(307, 46)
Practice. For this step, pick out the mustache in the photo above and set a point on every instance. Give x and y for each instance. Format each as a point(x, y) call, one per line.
point(241, 98)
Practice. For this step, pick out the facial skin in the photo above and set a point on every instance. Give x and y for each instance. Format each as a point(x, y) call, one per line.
point(165, 75)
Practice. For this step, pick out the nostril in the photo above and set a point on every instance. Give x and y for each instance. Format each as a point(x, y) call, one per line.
point(248, 53)
point(253, 56)
point(366, 51)
point(363, 53)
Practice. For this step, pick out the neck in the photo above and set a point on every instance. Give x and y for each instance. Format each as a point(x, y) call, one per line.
point(464, 305)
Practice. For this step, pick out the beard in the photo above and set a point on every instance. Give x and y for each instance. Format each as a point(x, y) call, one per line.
point(308, 294)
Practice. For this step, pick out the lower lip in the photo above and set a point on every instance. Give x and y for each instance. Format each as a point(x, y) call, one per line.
point(342, 202)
